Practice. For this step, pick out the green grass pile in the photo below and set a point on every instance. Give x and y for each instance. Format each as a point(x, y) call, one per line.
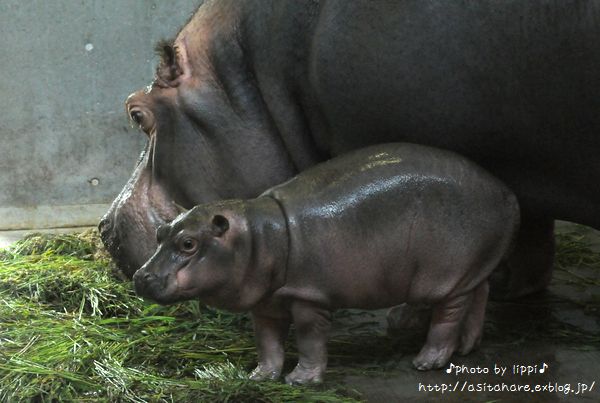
point(70, 330)
point(574, 251)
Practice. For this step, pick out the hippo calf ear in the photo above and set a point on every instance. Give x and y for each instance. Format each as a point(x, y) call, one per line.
point(220, 225)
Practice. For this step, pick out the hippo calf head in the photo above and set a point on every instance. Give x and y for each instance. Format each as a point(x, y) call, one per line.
point(208, 253)
point(196, 257)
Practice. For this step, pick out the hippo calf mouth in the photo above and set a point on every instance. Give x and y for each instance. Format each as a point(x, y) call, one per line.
point(163, 288)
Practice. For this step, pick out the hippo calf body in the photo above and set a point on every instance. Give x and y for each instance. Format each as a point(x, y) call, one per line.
point(377, 227)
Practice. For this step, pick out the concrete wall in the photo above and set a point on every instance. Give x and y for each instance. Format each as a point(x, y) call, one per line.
point(66, 66)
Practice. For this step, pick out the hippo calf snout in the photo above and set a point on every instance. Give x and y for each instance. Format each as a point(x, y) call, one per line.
point(151, 283)
point(143, 281)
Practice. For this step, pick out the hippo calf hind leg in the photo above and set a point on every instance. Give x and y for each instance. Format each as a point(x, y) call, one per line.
point(270, 334)
point(444, 332)
point(472, 330)
point(312, 329)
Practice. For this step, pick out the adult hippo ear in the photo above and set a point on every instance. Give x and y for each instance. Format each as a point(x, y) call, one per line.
point(180, 208)
point(174, 66)
point(220, 225)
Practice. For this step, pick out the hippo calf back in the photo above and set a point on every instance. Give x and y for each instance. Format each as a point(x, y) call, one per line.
point(377, 227)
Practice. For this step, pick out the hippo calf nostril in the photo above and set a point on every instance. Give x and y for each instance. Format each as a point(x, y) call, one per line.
point(143, 277)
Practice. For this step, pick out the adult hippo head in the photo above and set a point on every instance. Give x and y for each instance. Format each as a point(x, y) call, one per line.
point(251, 92)
point(210, 136)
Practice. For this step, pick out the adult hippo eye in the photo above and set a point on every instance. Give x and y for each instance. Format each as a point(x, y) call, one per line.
point(188, 245)
point(136, 116)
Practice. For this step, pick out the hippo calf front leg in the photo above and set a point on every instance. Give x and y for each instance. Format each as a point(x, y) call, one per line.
point(312, 329)
point(270, 334)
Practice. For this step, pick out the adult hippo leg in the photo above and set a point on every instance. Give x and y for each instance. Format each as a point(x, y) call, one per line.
point(408, 317)
point(270, 334)
point(528, 268)
point(531, 262)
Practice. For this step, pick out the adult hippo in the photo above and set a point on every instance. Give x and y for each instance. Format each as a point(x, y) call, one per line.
point(252, 92)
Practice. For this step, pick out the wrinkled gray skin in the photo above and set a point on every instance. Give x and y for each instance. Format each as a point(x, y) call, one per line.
point(259, 90)
point(374, 228)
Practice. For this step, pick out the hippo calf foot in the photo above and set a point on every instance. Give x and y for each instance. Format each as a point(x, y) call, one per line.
point(432, 358)
point(303, 376)
point(261, 373)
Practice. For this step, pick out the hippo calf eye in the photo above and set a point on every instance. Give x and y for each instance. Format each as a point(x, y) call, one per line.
point(188, 245)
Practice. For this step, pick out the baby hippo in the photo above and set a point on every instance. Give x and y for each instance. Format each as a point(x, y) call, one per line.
point(374, 228)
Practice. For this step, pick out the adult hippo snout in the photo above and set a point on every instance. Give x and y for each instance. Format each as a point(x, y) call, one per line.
point(128, 229)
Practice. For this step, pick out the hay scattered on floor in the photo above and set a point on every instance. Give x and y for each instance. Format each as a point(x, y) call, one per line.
point(70, 330)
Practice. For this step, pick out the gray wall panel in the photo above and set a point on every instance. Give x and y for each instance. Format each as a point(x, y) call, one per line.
point(66, 67)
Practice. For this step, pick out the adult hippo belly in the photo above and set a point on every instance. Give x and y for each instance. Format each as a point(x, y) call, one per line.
point(252, 92)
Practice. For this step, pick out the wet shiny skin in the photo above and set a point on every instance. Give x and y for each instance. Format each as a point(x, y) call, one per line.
point(377, 227)
point(260, 90)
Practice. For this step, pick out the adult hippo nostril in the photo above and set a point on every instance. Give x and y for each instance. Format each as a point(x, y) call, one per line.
point(105, 228)
point(128, 252)
point(103, 223)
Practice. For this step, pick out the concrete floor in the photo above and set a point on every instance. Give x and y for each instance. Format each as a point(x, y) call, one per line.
point(550, 332)
point(558, 331)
